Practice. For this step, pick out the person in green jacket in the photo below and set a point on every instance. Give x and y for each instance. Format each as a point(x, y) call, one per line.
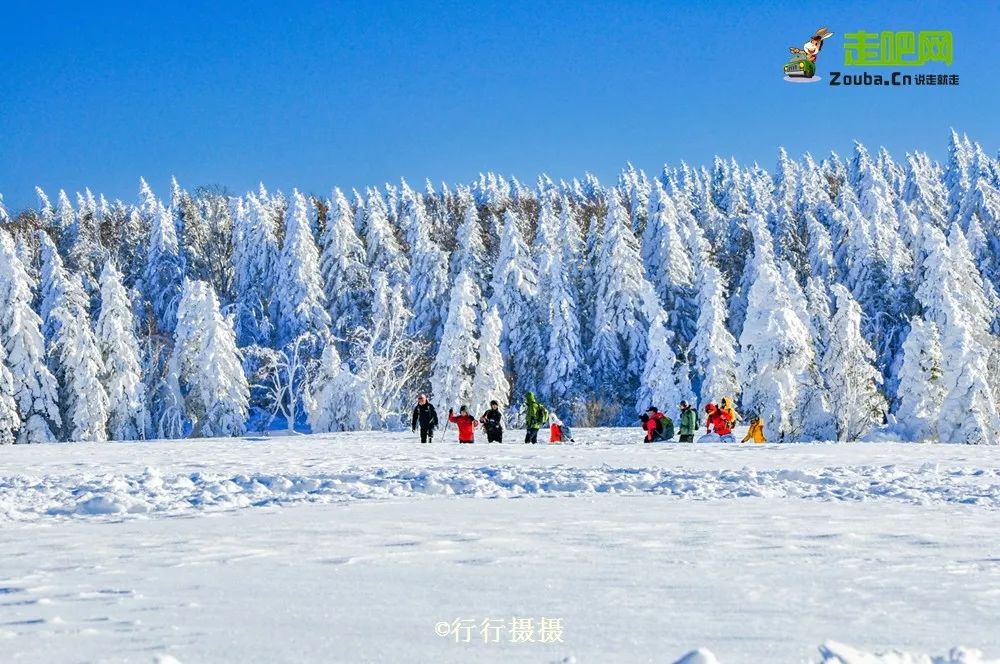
point(689, 422)
point(535, 417)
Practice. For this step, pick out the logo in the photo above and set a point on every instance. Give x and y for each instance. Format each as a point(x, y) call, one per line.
point(802, 67)
point(889, 48)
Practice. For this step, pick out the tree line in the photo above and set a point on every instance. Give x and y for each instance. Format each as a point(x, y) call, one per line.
point(834, 300)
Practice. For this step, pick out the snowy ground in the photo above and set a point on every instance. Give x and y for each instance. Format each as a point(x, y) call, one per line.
point(354, 547)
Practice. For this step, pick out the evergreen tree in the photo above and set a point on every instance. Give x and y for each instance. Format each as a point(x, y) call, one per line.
point(714, 348)
point(668, 265)
point(545, 245)
point(564, 354)
point(299, 305)
point(776, 351)
point(255, 255)
point(921, 389)
point(428, 283)
point(515, 293)
point(455, 364)
point(618, 349)
point(852, 381)
point(490, 382)
point(956, 178)
point(207, 365)
point(665, 380)
point(345, 274)
point(78, 365)
point(128, 418)
point(164, 269)
point(470, 250)
point(384, 252)
point(53, 287)
point(34, 387)
point(10, 421)
point(955, 301)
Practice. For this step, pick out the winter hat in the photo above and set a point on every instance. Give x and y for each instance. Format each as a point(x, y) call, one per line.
point(494, 403)
point(463, 409)
point(684, 404)
point(709, 407)
point(652, 409)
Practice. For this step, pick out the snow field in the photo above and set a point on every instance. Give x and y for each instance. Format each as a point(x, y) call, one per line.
point(352, 547)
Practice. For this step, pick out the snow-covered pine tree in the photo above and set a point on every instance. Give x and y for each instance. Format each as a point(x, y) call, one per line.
point(299, 305)
point(455, 363)
point(53, 284)
point(10, 421)
point(490, 382)
point(65, 223)
point(783, 219)
point(149, 206)
point(847, 365)
point(714, 349)
point(665, 379)
point(669, 266)
point(164, 269)
point(428, 282)
point(128, 418)
point(78, 365)
point(334, 398)
point(546, 244)
point(342, 264)
point(207, 365)
point(956, 175)
point(956, 302)
point(84, 251)
point(46, 213)
point(921, 389)
point(776, 351)
point(470, 250)
point(34, 387)
point(618, 349)
point(384, 252)
point(822, 264)
point(515, 295)
point(255, 254)
point(564, 352)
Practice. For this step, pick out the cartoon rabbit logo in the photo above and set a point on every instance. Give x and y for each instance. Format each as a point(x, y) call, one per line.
point(802, 66)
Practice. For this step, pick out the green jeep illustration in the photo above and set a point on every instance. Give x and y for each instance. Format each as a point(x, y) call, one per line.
point(800, 66)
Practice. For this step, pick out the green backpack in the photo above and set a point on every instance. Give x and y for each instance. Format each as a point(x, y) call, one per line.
point(665, 427)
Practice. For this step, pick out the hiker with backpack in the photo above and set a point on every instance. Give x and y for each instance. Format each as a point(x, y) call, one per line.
point(492, 421)
point(689, 422)
point(424, 415)
point(659, 427)
point(535, 417)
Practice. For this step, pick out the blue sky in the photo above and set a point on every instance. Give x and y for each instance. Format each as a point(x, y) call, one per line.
point(317, 94)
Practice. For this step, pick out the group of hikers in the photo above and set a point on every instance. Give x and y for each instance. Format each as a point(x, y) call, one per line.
point(720, 420)
point(536, 416)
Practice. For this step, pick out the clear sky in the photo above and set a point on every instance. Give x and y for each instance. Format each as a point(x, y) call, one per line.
point(317, 94)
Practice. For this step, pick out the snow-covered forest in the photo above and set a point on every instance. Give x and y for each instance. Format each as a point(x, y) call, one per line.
point(837, 299)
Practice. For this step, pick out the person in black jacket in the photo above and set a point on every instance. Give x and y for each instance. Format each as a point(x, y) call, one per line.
point(492, 421)
point(427, 417)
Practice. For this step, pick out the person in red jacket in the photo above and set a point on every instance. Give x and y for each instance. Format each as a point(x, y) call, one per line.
point(720, 421)
point(651, 423)
point(466, 424)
